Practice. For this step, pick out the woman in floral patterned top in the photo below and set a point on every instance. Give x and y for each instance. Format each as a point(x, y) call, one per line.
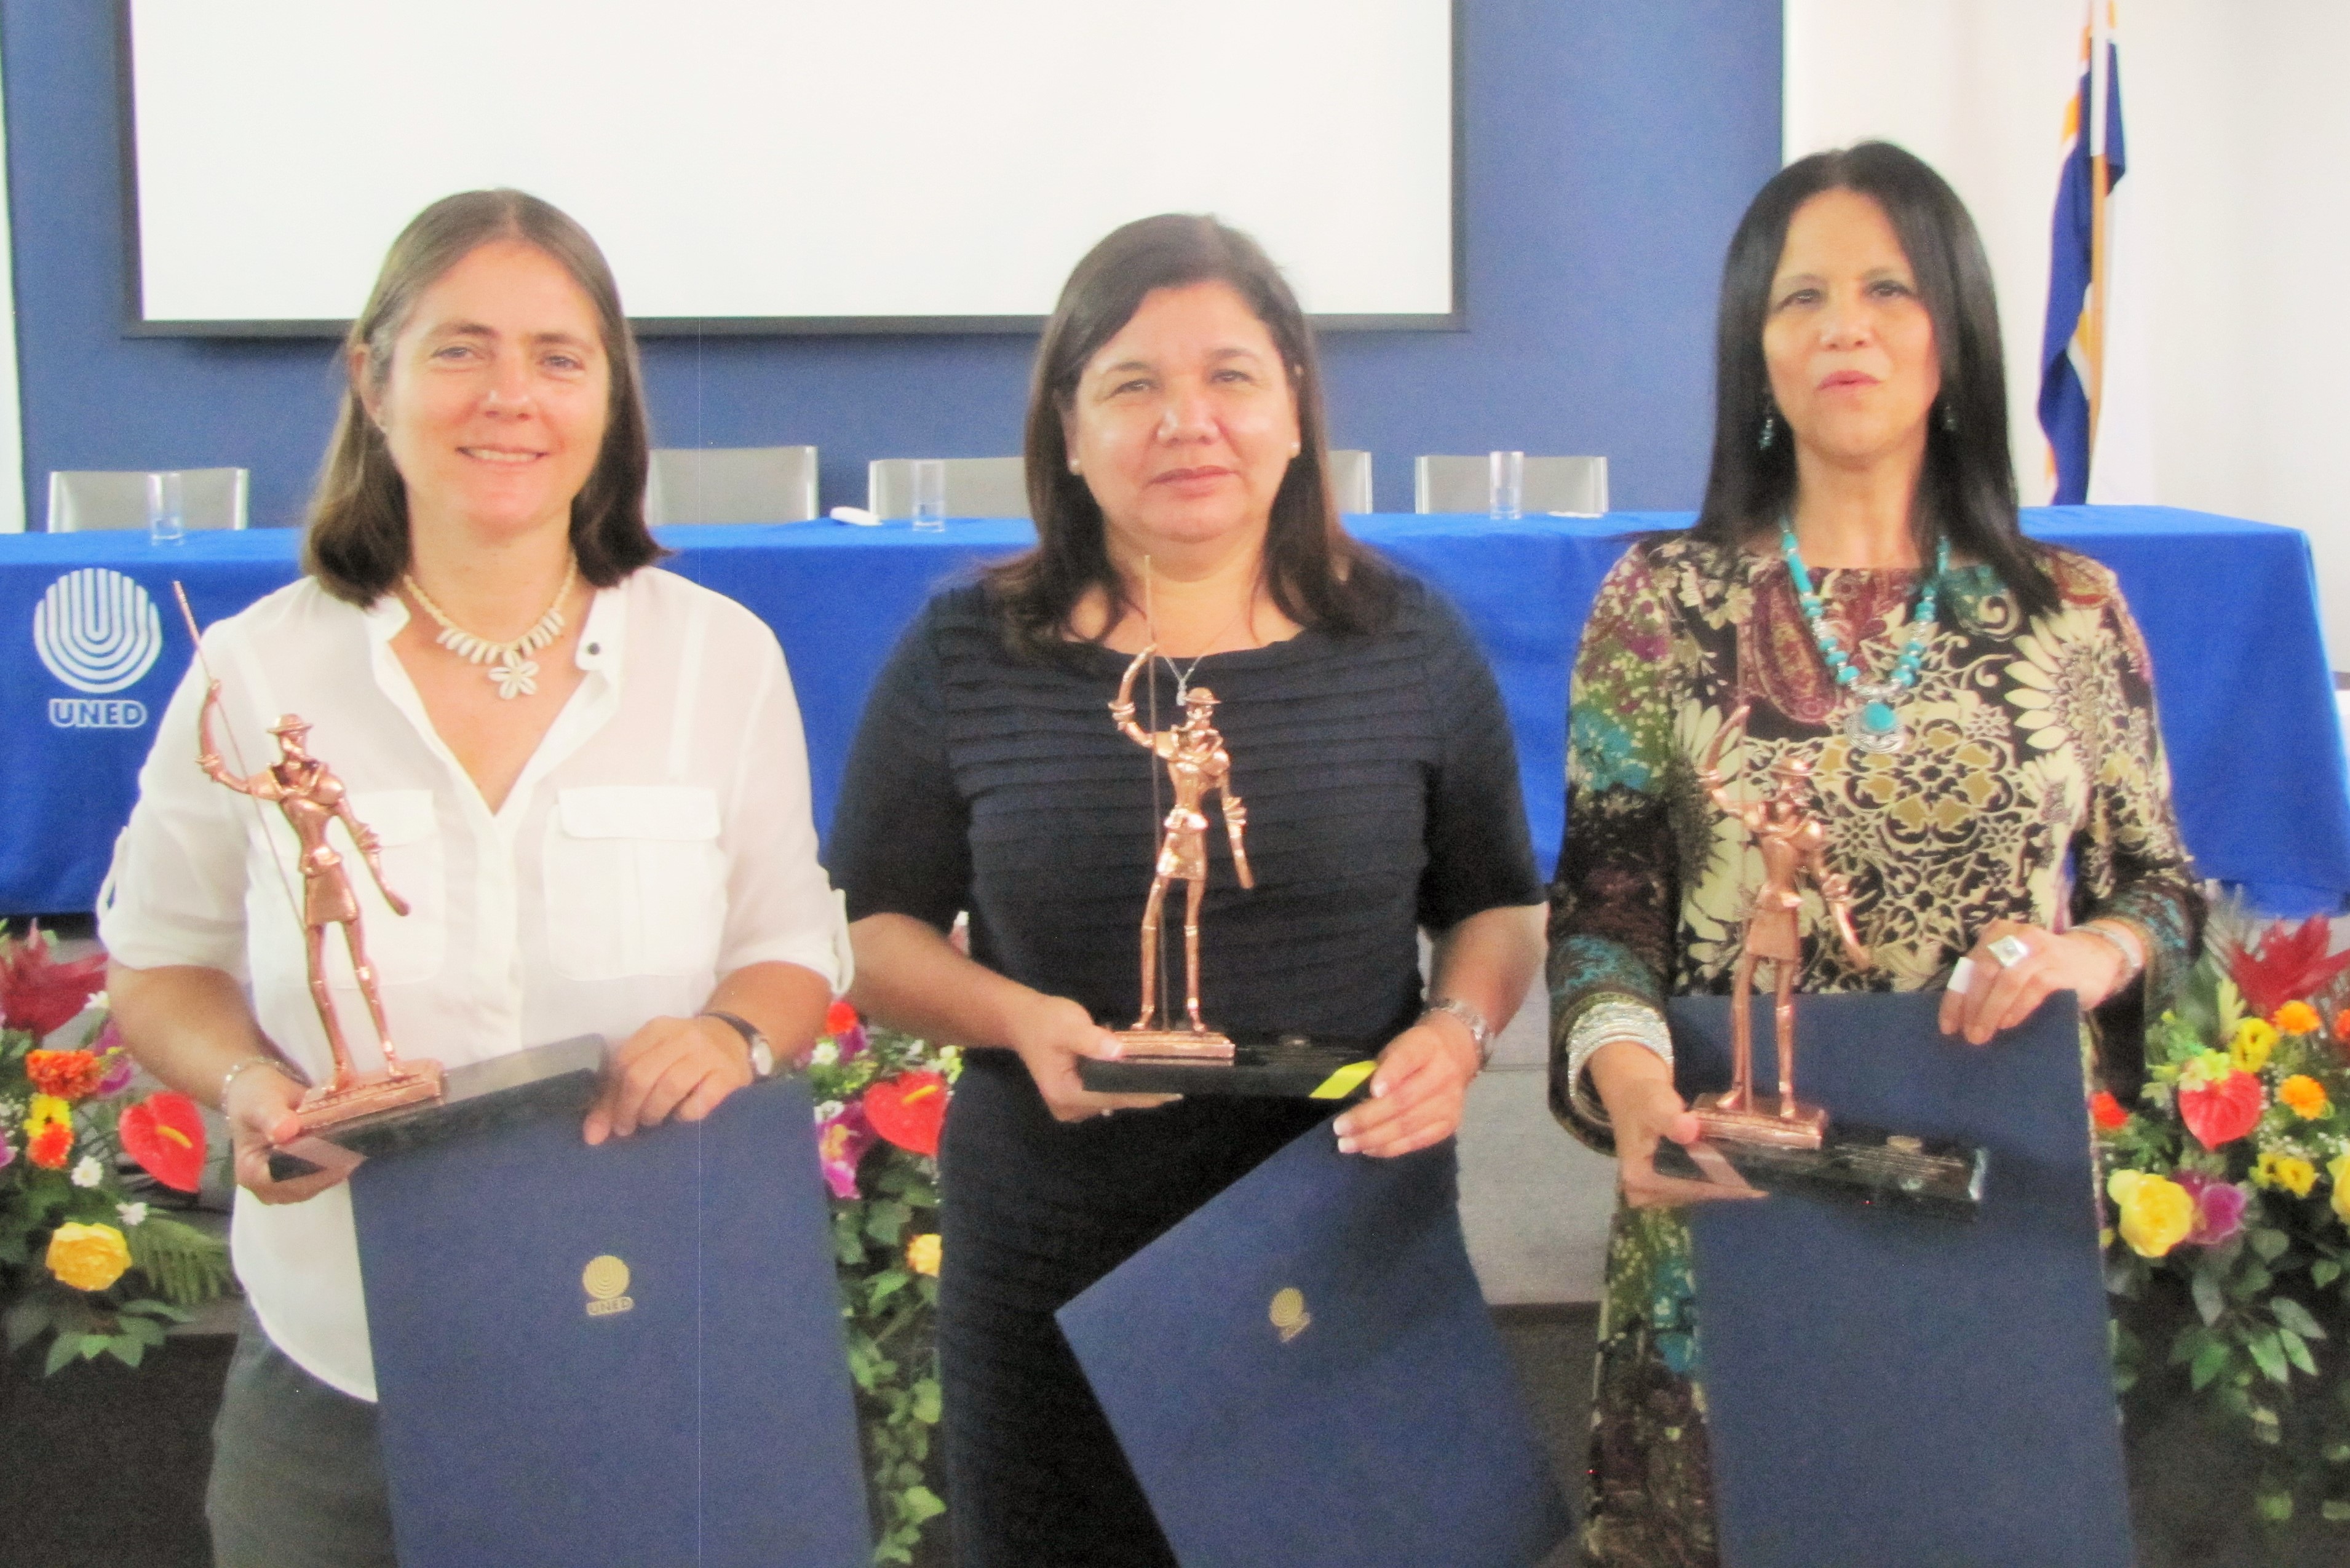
point(1998, 773)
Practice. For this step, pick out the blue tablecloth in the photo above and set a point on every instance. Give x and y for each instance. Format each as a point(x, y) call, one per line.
point(2230, 608)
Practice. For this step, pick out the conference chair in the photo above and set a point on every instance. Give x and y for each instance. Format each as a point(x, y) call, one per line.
point(1350, 480)
point(730, 485)
point(1576, 485)
point(87, 501)
point(976, 487)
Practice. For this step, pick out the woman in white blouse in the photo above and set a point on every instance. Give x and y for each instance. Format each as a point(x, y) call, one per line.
point(605, 830)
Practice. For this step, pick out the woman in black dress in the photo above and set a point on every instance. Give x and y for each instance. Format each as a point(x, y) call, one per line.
point(1175, 419)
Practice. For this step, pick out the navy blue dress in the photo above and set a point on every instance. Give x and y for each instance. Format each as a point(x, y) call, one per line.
point(1382, 794)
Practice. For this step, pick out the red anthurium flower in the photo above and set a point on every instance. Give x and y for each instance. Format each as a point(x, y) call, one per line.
point(2286, 962)
point(165, 1136)
point(908, 1110)
point(39, 994)
point(2221, 1112)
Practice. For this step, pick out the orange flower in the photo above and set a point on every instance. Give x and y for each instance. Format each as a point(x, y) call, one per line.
point(2106, 1111)
point(68, 1075)
point(2342, 1026)
point(49, 1147)
point(2296, 1018)
point(2306, 1094)
point(840, 1017)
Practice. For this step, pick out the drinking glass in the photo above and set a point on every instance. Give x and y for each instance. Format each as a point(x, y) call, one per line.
point(1506, 485)
point(166, 513)
point(930, 494)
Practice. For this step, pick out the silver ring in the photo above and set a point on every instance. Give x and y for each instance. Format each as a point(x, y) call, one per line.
point(2010, 950)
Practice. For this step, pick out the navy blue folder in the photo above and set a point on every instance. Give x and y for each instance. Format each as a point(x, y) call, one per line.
point(1886, 1386)
point(629, 1353)
point(1303, 1373)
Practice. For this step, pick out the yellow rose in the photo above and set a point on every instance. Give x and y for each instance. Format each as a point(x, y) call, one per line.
point(47, 1110)
point(2157, 1213)
point(87, 1257)
point(2255, 1038)
point(2295, 1174)
point(2306, 1094)
point(922, 1253)
point(2339, 1169)
point(2295, 1018)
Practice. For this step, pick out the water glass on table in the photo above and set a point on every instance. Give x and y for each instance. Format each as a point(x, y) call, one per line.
point(1506, 485)
point(166, 511)
point(930, 494)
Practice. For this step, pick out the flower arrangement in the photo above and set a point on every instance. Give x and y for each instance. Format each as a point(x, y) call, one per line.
point(2230, 1184)
point(82, 1261)
point(881, 1100)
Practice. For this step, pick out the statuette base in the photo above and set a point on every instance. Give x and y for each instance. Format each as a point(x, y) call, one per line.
point(368, 1093)
point(1761, 1119)
point(1174, 1045)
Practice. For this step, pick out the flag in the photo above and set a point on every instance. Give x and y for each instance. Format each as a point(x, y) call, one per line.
point(2076, 350)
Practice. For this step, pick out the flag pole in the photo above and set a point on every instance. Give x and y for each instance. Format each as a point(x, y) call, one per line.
point(2100, 90)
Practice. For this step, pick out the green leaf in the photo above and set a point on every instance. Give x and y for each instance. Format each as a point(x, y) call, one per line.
point(129, 1352)
point(884, 1221)
point(927, 1401)
point(2208, 1361)
point(2296, 1350)
point(2335, 1511)
point(2207, 1301)
point(2276, 1507)
point(2268, 1244)
point(144, 1330)
point(917, 1503)
point(2267, 1356)
point(61, 1350)
point(94, 1345)
point(885, 1285)
point(2338, 1453)
point(2297, 1317)
point(2324, 1272)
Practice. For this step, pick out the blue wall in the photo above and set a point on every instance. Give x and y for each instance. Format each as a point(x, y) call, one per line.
point(1610, 145)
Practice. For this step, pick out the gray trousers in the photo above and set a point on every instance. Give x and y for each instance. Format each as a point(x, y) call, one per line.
point(297, 1475)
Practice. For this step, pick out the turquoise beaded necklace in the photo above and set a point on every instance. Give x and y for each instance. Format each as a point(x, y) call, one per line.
point(1874, 721)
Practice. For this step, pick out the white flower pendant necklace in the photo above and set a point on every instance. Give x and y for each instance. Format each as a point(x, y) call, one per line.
point(511, 668)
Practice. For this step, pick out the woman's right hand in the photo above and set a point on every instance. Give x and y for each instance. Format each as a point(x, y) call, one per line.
point(1636, 1088)
point(262, 1107)
point(1051, 1034)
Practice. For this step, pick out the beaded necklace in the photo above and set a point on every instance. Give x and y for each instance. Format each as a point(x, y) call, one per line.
point(1873, 722)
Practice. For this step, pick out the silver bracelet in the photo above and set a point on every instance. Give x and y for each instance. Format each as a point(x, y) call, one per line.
point(1480, 1032)
point(230, 1076)
point(1603, 1022)
point(2123, 940)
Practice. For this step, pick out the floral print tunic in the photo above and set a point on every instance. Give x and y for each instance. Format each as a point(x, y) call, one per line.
point(2032, 788)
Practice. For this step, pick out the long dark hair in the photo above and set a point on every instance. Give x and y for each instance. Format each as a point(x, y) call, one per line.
point(1968, 488)
point(358, 545)
point(1316, 573)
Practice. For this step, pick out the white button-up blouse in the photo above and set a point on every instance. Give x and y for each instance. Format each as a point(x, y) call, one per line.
point(659, 838)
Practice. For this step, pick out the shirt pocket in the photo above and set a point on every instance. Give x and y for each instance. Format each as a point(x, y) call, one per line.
point(636, 883)
point(408, 948)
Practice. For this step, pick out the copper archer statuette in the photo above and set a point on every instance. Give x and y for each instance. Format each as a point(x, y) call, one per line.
point(1197, 767)
point(1793, 845)
point(312, 799)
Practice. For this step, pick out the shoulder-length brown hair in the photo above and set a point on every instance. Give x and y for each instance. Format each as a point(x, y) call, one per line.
point(1968, 488)
point(358, 545)
point(1316, 573)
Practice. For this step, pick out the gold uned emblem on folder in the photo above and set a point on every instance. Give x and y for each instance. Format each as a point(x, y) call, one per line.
point(606, 1280)
point(1288, 1313)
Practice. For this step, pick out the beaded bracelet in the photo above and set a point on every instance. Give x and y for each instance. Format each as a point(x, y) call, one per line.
point(231, 1075)
point(2124, 944)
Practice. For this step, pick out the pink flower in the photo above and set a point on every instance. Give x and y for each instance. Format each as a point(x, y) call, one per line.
point(119, 1067)
point(2218, 1208)
point(841, 1140)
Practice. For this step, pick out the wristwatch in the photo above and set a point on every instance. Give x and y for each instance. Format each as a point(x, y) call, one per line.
point(1481, 1032)
point(763, 1055)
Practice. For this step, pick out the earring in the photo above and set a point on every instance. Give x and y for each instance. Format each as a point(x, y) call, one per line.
point(1950, 418)
point(1770, 431)
point(1075, 467)
point(1297, 448)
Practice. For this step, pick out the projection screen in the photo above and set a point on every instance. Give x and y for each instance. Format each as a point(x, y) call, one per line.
point(791, 165)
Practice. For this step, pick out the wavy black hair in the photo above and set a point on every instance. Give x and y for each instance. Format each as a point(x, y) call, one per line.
point(1316, 573)
point(1967, 490)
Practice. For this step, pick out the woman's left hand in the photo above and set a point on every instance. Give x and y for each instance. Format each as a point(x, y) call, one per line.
point(2003, 996)
point(1417, 1094)
point(673, 1067)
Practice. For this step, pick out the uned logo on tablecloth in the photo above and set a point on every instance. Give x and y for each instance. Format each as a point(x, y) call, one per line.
point(97, 631)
